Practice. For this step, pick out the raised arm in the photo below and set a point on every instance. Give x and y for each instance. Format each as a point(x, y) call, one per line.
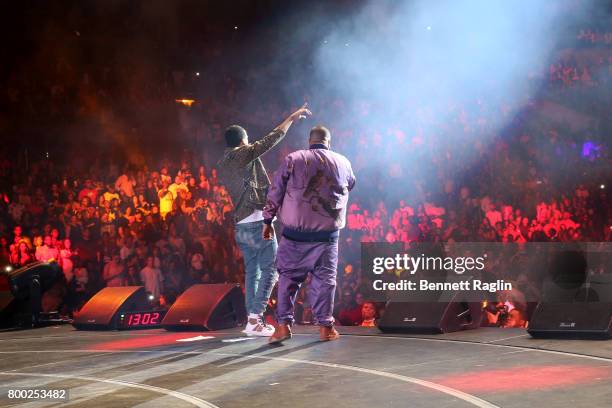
point(301, 113)
point(271, 139)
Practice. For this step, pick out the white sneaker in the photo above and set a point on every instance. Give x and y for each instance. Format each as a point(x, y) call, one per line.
point(257, 327)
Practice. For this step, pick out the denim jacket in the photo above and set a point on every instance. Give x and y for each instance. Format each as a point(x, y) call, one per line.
point(245, 176)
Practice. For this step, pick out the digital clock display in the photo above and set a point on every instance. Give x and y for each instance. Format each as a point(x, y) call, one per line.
point(138, 320)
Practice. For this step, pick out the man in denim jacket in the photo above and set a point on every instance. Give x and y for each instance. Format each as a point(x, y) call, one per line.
point(246, 180)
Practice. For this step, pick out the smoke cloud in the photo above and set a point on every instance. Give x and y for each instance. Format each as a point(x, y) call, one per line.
point(417, 78)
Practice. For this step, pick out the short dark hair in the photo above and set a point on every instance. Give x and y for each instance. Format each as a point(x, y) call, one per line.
point(234, 135)
point(320, 133)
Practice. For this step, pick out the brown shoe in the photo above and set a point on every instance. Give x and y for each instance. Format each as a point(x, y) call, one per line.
point(281, 333)
point(328, 333)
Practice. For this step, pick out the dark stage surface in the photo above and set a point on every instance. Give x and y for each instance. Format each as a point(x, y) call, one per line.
point(155, 368)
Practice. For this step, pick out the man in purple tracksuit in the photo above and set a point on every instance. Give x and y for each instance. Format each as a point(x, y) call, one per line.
point(309, 194)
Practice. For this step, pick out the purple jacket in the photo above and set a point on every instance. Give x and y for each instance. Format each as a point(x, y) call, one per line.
point(309, 192)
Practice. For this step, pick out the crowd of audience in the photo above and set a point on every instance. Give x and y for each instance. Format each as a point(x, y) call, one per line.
point(570, 72)
point(167, 229)
point(141, 228)
point(591, 36)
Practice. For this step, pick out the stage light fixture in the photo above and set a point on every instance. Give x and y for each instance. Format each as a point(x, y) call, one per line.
point(185, 102)
point(8, 268)
point(602, 186)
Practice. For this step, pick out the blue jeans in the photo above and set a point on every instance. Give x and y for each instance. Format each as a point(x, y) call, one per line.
point(259, 256)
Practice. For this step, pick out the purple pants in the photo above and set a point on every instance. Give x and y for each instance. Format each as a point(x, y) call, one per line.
point(294, 261)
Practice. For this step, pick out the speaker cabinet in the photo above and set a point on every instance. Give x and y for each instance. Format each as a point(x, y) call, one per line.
point(103, 311)
point(207, 307)
point(430, 317)
point(29, 295)
point(35, 277)
point(572, 320)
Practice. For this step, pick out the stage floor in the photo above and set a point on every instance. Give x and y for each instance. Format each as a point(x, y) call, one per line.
point(155, 368)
